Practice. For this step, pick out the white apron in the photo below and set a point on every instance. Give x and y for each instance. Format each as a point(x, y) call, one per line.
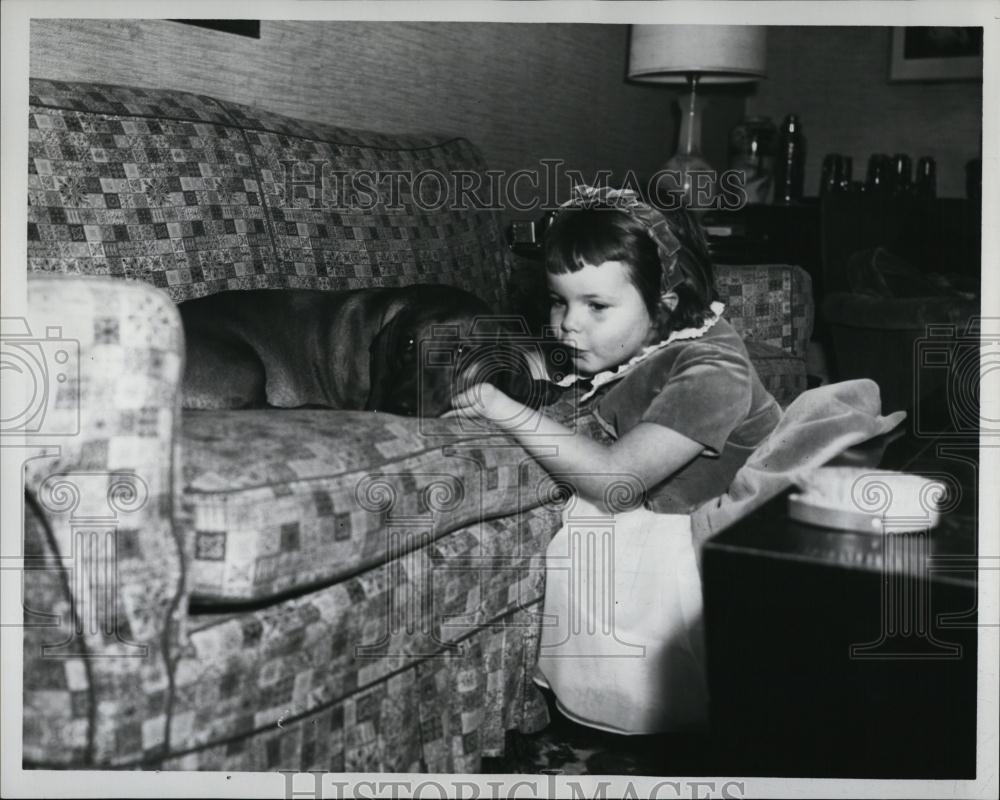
point(622, 643)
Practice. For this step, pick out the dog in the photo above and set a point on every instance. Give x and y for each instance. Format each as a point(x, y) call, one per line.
point(403, 350)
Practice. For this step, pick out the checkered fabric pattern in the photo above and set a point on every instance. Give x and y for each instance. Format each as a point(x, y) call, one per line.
point(284, 501)
point(782, 374)
point(197, 196)
point(437, 715)
point(769, 303)
point(418, 664)
point(353, 688)
point(104, 591)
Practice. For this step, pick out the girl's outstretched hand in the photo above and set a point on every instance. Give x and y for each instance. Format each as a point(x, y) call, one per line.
point(478, 402)
point(484, 402)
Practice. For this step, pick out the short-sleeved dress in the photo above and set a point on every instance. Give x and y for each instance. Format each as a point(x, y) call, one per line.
point(706, 389)
point(621, 643)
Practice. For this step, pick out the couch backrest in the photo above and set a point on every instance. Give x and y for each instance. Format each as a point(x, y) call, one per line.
point(196, 195)
point(769, 303)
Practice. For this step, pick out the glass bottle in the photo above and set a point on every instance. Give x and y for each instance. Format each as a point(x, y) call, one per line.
point(790, 170)
point(879, 171)
point(901, 174)
point(926, 177)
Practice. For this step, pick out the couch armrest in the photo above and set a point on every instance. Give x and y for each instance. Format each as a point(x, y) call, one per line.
point(769, 303)
point(103, 359)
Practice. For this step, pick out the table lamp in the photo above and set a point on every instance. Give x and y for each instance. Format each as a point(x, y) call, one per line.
point(695, 55)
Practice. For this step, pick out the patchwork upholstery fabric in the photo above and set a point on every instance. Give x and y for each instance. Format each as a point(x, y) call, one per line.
point(291, 499)
point(437, 715)
point(95, 98)
point(419, 664)
point(142, 185)
point(768, 303)
point(104, 585)
point(782, 374)
point(197, 196)
point(348, 213)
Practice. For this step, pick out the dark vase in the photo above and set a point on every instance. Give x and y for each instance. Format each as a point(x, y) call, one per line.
point(752, 145)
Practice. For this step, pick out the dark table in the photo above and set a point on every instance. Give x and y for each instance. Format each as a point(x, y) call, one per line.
point(847, 655)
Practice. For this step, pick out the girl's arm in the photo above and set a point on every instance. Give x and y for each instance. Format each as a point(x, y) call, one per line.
point(649, 452)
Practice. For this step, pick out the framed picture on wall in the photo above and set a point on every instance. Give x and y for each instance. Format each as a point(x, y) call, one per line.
point(936, 54)
point(241, 27)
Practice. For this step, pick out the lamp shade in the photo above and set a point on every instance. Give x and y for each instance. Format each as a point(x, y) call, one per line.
point(717, 53)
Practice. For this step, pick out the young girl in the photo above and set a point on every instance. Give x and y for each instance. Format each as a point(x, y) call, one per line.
point(632, 296)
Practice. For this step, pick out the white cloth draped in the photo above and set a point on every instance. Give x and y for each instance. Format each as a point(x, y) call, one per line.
point(622, 643)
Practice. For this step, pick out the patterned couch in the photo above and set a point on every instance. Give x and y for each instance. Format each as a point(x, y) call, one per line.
point(261, 590)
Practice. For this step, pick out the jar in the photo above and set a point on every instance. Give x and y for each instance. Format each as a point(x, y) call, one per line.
point(879, 172)
point(902, 174)
point(752, 146)
point(836, 174)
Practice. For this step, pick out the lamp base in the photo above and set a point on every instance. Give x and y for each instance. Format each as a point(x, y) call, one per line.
point(687, 180)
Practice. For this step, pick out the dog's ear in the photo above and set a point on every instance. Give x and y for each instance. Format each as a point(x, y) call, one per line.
point(381, 363)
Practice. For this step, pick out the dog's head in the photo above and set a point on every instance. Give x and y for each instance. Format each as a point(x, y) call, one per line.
point(432, 350)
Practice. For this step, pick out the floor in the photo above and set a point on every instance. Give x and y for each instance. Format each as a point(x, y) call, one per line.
point(566, 748)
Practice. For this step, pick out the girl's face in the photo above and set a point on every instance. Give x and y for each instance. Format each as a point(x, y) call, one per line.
point(600, 313)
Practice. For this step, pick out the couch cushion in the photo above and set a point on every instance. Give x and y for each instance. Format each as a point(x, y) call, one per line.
point(282, 501)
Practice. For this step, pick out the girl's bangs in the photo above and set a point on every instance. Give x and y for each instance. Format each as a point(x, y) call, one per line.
point(589, 236)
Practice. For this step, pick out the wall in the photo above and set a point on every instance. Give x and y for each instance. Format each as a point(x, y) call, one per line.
point(525, 92)
point(521, 92)
point(836, 80)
